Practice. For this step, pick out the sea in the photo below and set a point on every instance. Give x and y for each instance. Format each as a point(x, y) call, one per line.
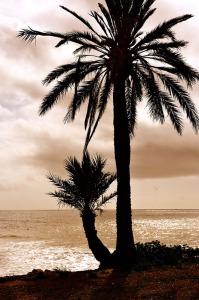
point(54, 239)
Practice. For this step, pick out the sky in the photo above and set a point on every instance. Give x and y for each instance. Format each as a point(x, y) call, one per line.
point(164, 165)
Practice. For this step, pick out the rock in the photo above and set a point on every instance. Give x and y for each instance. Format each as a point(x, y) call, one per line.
point(36, 273)
point(52, 274)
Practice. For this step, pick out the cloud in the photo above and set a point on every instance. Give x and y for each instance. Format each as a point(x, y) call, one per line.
point(158, 152)
point(51, 152)
point(31, 146)
point(18, 68)
point(48, 144)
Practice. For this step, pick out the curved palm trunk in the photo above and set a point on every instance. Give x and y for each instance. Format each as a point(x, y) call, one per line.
point(125, 247)
point(98, 249)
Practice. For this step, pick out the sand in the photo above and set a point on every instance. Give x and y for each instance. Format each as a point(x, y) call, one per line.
point(180, 282)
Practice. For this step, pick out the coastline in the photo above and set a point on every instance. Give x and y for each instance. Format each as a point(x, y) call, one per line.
point(165, 282)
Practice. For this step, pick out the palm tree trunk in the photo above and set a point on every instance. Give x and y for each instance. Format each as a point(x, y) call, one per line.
point(100, 252)
point(125, 247)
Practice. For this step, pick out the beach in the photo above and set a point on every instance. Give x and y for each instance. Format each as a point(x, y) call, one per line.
point(169, 282)
point(53, 244)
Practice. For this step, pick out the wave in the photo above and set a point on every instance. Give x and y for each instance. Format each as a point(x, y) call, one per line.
point(8, 236)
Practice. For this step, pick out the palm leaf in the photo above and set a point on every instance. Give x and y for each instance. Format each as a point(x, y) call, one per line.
point(62, 87)
point(181, 95)
point(109, 21)
point(172, 111)
point(82, 94)
point(60, 70)
point(162, 45)
point(85, 22)
point(100, 22)
point(175, 60)
point(29, 35)
point(105, 93)
point(145, 13)
point(93, 100)
point(153, 94)
point(163, 30)
point(104, 200)
point(80, 38)
point(142, 19)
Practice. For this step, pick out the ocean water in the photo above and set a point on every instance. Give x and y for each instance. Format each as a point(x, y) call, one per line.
point(55, 239)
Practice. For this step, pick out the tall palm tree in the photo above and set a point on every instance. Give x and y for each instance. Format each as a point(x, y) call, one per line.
point(133, 65)
point(84, 190)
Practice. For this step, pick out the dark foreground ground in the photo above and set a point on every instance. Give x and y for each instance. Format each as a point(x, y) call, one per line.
point(159, 283)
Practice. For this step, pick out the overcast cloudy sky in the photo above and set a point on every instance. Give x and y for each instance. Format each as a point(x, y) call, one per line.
point(165, 166)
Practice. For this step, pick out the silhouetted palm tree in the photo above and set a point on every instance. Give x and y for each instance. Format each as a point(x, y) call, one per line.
point(134, 65)
point(84, 190)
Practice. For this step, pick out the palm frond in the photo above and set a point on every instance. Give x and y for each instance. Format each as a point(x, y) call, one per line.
point(102, 103)
point(109, 20)
point(132, 14)
point(100, 22)
point(141, 21)
point(85, 22)
point(133, 94)
point(29, 35)
point(104, 200)
point(60, 70)
point(58, 182)
point(147, 5)
point(85, 39)
point(172, 111)
point(73, 167)
point(154, 105)
point(116, 12)
point(62, 87)
point(163, 45)
point(145, 13)
point(182, 70)
point(55, 94)
point(67, 200)
point(163, 30)
point(82, 94)
point(153, 94)
point(77, 81)
point(77, 36)
point(86, 48)
point(183, 98)
point(93, 100)
point(67, 193)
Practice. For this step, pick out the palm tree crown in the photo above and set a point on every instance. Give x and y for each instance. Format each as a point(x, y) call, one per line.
point(150, 62)
point(86, 184)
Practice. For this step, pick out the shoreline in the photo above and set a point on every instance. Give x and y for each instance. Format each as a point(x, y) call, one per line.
point(165, 282)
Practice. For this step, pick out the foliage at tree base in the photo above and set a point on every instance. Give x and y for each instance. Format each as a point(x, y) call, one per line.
point(154, 254)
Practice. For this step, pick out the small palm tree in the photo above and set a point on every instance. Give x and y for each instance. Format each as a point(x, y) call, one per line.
point(84, 190)
point(124, 60)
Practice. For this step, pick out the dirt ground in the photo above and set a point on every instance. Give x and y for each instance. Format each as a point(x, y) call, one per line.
point(161, 283)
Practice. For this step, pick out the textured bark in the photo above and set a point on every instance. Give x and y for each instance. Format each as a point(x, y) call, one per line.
point(100, 252)
point(125, 247)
